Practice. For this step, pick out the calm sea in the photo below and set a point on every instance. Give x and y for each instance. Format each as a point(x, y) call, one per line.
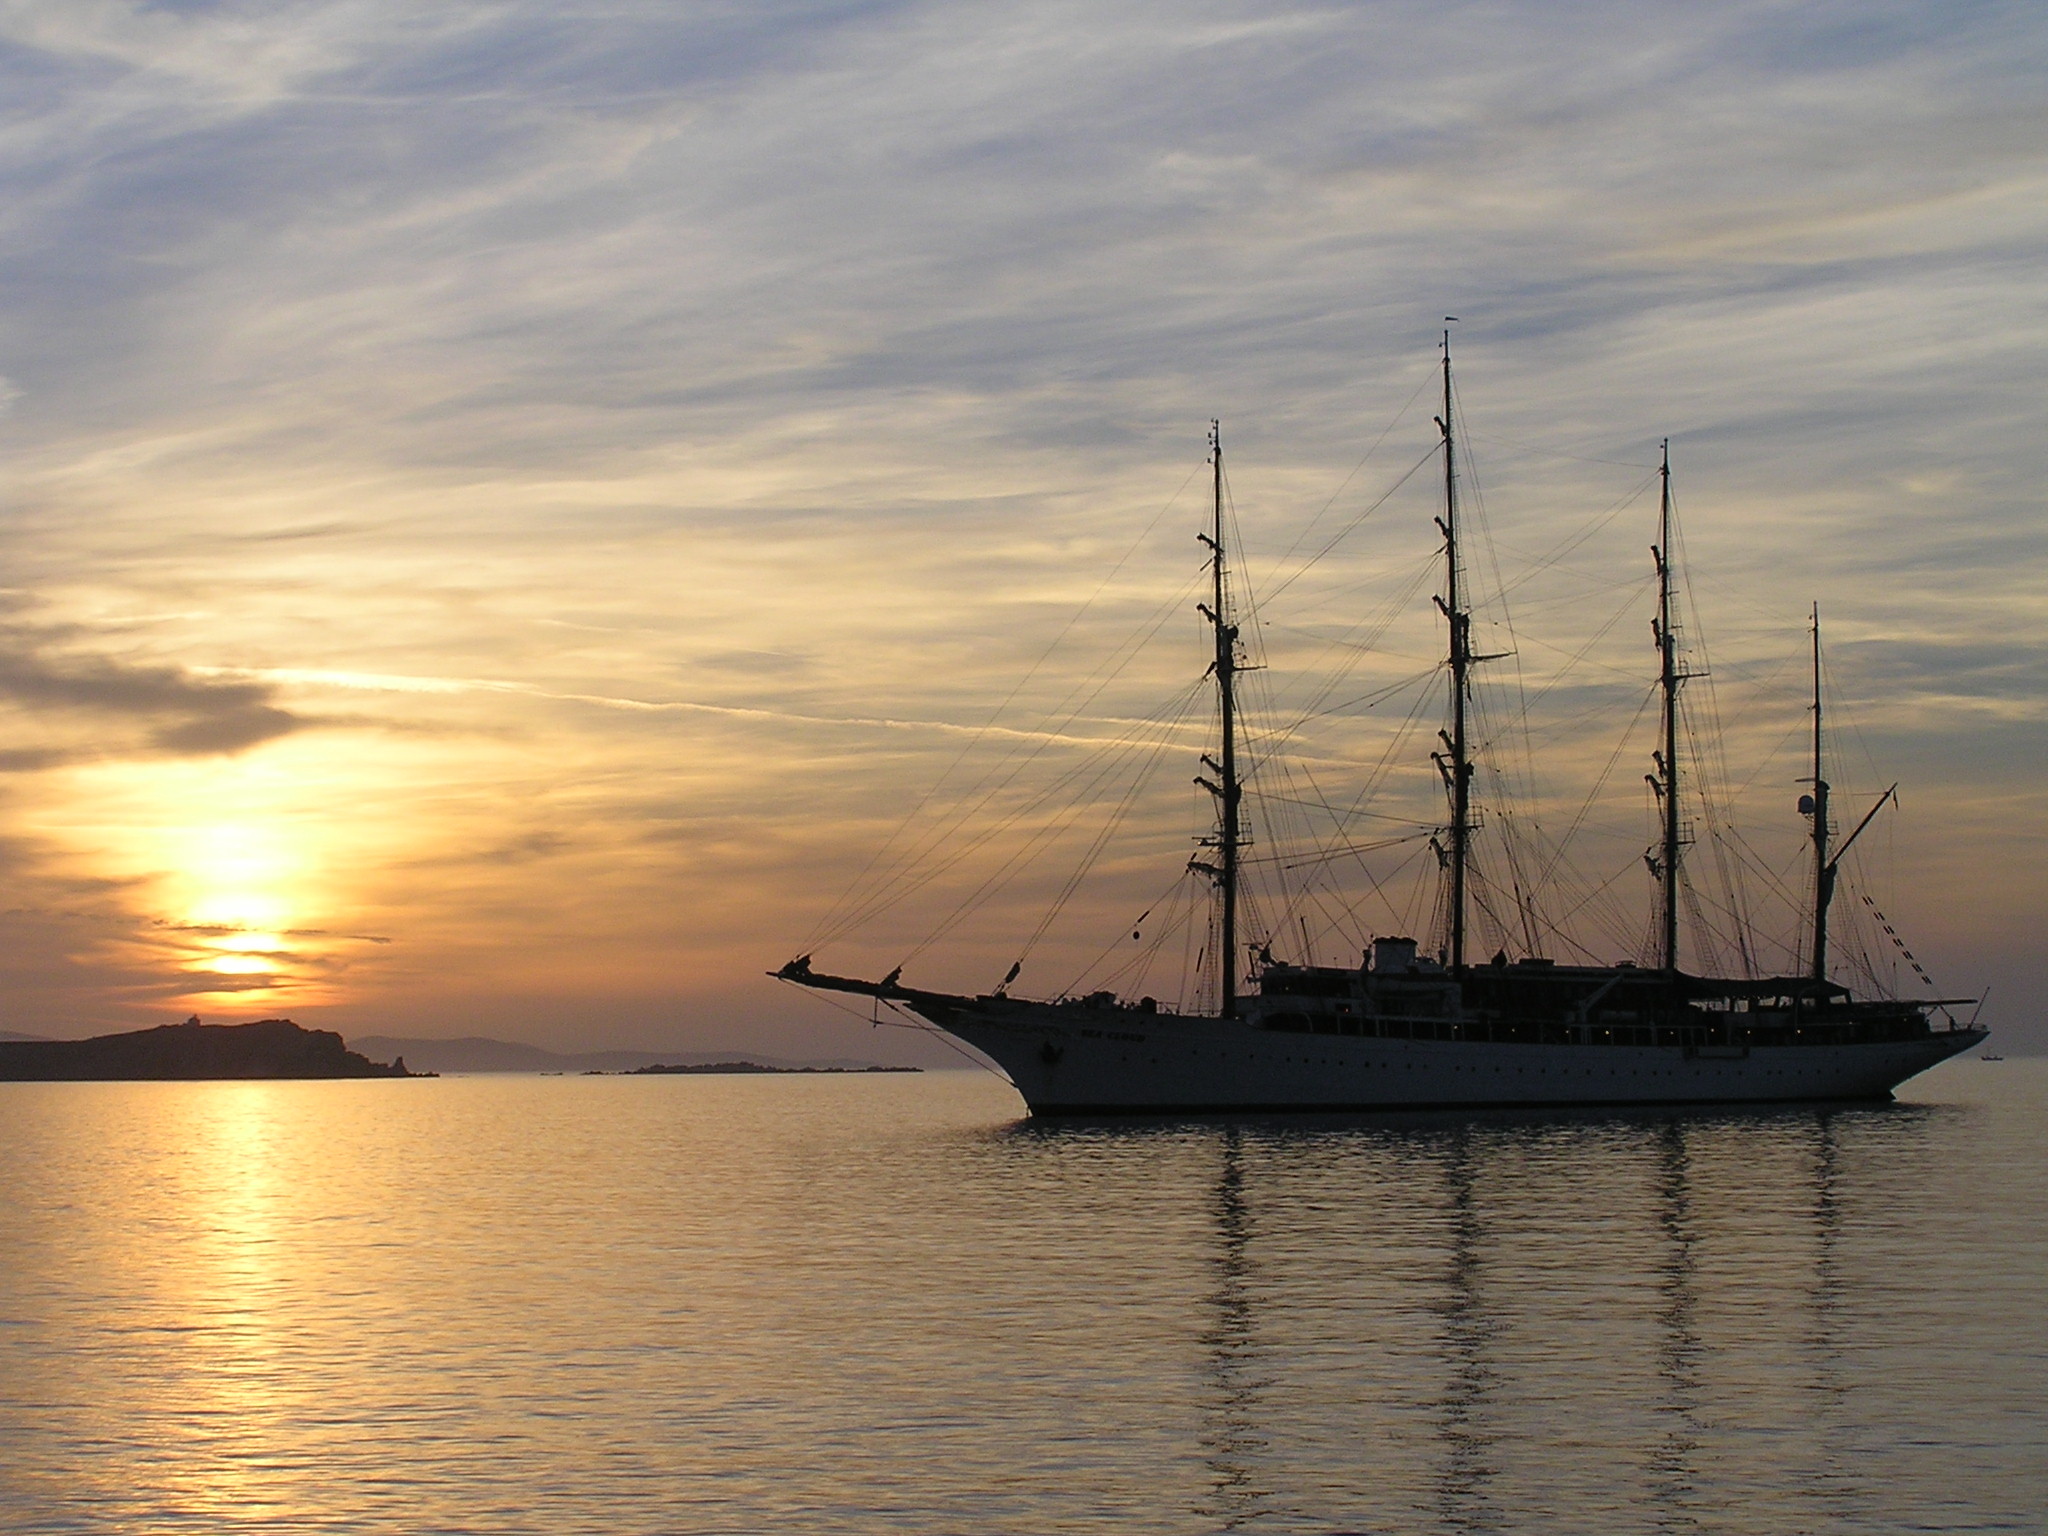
point(885, 1304)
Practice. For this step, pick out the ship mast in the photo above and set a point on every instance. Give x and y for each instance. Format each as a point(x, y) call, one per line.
point(1827, 854)
point(1457, 767)
point(1225, 787)
point(1665, 782)
point(1823, 867)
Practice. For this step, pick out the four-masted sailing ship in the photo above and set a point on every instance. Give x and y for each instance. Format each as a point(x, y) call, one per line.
point(1406, 1030)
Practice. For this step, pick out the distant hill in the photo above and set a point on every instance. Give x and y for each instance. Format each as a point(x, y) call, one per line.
point(477, 1053)
point(14, 1035)
point(270, 1048)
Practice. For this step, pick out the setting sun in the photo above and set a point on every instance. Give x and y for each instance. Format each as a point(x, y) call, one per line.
point(240, 965)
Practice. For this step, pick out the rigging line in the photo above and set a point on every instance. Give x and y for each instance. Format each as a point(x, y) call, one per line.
point(1240, 593)
point(1737, 898)
point(1111, 823)
point(1701, 711)
point(1523, 842)
point(1375, 621)
point(1412, 857)
point(1305, 861)
point(1072, 706)
point(1572, 542)
point(1583, 723)
point(1716, 805)
point(1576, 458)
point(1138, 965)
point(948, 825)
point(1092, 774)
point(1559, 936)
point(909, 881)
point(1350, 527)
point(1187, 990)
point(916, 877)
point(1311, 901)
point(1371, 700)
point(1343, 921)
point(1324, 805)
point(1520, 777)
point(1427, 378)
point(1134, 967)
point(1009, 698)
point(1299, 828)
point(1338, 643)
point(1126, 649)
point(1700, 717)
point(1779, 885)
point(1276, 743)
point(1375, 629)
point(1577, 657)
point(1396, 746)
point(1165, 895)
point(1708, 941)
point(1372, 630)
point(1709, 778)
point(918, 1024)
point(1340, 822)
point(1773, 617)
point(1341, 591)
point(925, 1026)
point(1572, 602)
point(1273, 752)
point(1026, 854)
point(1483, 920)
point(1172, 907)
point(1617, 926)
point(853, 910)
point(1402, 920)
point(1586, 806)
point(1850, 724)
point(1598, 891)
point(1893, 934)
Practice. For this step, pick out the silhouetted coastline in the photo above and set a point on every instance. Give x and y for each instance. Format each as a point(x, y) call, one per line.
point(269, 1048)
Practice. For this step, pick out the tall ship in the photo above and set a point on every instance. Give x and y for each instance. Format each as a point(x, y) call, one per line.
point(1442, 1028)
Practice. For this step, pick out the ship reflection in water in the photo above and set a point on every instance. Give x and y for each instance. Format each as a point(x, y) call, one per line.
point(859, 1304)
point(1580, 1320)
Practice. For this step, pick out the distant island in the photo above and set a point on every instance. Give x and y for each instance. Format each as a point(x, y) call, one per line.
point(660, 1069)
point(479, 1053)
point(269, 1048)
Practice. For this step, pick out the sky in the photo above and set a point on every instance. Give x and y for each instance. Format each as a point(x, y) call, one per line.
point(519, 515)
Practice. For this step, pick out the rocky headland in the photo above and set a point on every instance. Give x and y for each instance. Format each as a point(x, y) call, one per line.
point(270, 1048)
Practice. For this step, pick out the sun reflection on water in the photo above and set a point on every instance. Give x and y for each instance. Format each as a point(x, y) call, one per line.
point(237, 1287)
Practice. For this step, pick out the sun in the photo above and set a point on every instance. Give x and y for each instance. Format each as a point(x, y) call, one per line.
point(237, 910)
point(237, 868)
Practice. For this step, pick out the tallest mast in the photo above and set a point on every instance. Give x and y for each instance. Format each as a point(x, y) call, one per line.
point(1457, 768)
point(1228, 791)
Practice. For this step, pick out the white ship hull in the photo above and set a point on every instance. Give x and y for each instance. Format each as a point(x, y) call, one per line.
point(1068, 1060)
